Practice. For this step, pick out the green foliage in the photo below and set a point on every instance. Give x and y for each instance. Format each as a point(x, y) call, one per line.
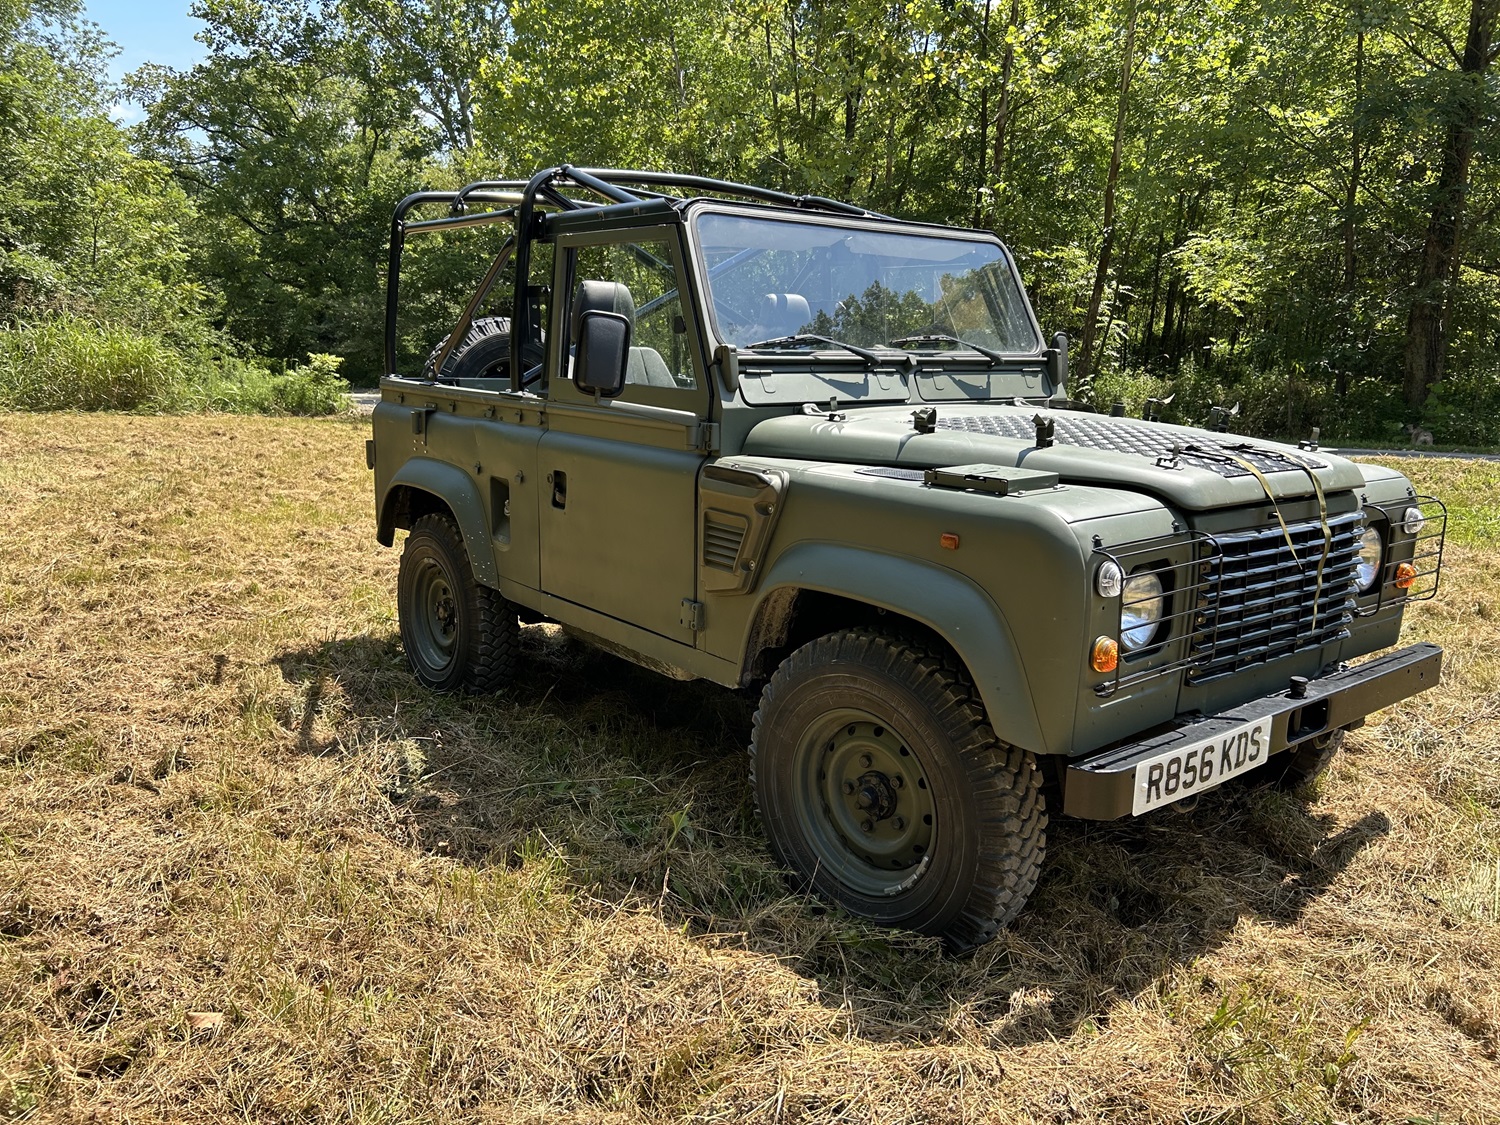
point(1465, 409)
point(313, 388)
point(878, 315)
point(1281, 166)
point(68, 363)
point(65, 362)
point(87, 227)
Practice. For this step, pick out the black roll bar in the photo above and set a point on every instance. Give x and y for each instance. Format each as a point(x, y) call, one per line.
point(519, 200)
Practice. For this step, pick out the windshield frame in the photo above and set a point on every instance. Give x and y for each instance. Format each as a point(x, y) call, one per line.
point(703, 282)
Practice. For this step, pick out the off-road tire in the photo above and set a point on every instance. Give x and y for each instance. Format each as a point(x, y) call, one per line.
point(458, 635)
point(484, 351)
point(861, 700)
point(1298, 768)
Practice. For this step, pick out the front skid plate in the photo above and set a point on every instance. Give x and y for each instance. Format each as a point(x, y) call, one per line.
point(1103, 787)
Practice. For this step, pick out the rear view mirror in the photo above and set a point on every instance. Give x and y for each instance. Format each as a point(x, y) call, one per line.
point(1056, 359)
point(603, 351)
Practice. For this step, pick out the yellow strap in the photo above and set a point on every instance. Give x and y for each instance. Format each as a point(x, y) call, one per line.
point(1265, 486)
point(1327, 536)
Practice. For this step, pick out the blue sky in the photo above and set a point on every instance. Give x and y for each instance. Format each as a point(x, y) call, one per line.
point(147, 32)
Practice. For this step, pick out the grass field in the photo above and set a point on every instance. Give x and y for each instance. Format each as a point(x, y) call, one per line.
point(250, 872)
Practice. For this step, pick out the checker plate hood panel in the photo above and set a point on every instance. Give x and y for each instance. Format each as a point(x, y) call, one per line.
point(1193, 468)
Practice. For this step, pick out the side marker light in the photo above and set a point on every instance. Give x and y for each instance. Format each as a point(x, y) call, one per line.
point(948, 541)
point(1105, 656)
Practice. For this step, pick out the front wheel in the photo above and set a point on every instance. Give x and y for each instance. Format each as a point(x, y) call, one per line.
point(883, 788)
point(458, 634)
point(1298, 768)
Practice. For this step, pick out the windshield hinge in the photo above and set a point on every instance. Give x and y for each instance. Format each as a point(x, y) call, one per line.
point(692, 615)
point(706, 437)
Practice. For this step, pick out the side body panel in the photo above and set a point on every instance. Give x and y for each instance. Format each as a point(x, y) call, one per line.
point(617, 515)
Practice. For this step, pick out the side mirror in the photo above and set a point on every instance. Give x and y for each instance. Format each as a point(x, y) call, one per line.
point(603, 352)
point(1057, 363)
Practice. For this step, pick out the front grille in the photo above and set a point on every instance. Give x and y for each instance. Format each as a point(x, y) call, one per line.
point(1261, 598)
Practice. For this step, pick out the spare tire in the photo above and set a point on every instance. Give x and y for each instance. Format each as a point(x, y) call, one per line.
point(483, 353)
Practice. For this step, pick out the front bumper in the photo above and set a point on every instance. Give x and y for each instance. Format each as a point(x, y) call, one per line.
point(1102, 787)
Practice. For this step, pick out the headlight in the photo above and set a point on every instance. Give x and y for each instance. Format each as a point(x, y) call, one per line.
point(1140, 611)
point(1371, 554)
point(1412, 521)
point(1109, 580)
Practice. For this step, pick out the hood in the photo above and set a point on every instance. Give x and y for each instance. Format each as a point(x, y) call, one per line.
point(1195, 469)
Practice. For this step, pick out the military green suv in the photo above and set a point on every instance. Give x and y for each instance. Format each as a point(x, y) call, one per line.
point(782, 442)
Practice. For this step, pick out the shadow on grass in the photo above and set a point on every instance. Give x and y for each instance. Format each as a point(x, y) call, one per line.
point(640, 783)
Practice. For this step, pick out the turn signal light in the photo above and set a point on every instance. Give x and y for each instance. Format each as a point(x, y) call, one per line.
point(1406, 574)
point(1105, 656)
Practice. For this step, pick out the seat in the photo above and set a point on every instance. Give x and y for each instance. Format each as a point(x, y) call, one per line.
point(646, 367)
point(783, 314)
point(601, 296)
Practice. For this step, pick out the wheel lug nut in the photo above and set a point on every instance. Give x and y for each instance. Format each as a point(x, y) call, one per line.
point(897, 782)
point(849, 788)
point(867, 825)
point(866, 761)
point(898, 823)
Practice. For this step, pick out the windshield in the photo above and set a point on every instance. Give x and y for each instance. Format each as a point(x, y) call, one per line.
point(771, 278)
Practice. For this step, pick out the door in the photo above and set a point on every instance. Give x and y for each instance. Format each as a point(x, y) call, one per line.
point(618, 501)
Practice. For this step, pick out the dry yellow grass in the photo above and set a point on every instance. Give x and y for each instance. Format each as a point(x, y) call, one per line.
point(221, 792)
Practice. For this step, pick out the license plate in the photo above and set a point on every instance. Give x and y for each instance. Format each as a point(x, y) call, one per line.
point(1200, 765)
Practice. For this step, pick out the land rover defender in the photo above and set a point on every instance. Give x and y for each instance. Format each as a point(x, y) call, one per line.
point(787, 444)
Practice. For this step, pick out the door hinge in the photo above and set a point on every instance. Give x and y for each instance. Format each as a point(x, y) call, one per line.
point(706, 438)
point(692, 615)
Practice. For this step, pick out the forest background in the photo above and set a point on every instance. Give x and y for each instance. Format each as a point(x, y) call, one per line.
point(1285, 204)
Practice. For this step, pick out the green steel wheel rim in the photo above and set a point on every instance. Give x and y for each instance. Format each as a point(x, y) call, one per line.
point(435, 624)
point(864, 802)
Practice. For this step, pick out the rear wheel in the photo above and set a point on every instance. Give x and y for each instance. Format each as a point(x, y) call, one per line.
point(883, 788)
point(458, 634)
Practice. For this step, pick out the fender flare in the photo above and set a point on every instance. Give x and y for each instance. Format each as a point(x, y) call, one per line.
point(453, 487)
point(953, 606)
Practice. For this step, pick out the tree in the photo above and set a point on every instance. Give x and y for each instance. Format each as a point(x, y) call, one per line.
point(86, 226)
point(1464, 103)
point(294, 158)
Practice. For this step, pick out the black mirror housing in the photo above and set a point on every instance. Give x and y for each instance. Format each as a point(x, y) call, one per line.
point(1056, 359)
point(603, 352)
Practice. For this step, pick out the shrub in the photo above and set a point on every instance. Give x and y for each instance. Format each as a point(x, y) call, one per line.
point(1465, 409)
point(314, 388)
point(72, 363)
point(67, 362)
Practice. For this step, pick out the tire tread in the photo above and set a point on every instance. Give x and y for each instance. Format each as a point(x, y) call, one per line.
point(1005, 781)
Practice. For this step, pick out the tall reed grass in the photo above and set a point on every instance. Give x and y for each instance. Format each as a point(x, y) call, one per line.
point(68, 362)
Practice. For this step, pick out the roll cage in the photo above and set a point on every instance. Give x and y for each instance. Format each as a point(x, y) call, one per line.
point(619, 193)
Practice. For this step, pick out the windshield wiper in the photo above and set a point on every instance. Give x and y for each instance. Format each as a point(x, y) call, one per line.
point(988, 353)
point(807, 340)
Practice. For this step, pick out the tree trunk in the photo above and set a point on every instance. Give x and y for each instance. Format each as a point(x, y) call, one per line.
point(1002, 112)
point(1351, 202)
point(984, 118)
point(1091, 320)
point(1426, 327)
point(1150, 328)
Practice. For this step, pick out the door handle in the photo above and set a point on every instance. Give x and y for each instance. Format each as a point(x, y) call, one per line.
point(559, 482)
